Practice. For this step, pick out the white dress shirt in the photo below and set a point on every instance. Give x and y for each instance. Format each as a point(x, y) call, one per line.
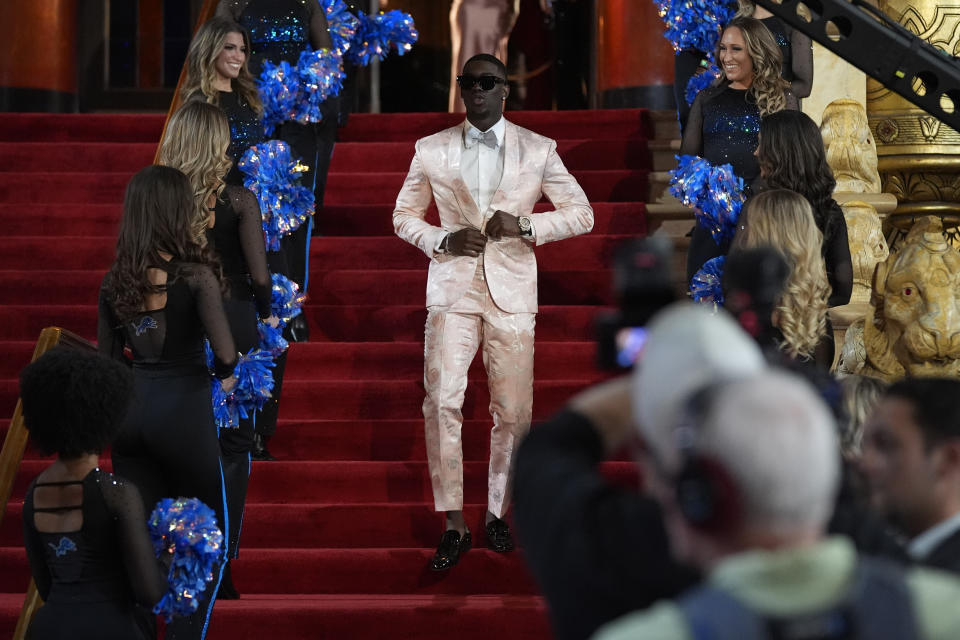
point(482, 167)
point(924, 544)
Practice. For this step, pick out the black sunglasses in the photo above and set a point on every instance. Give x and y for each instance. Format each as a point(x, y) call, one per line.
point(486, 82)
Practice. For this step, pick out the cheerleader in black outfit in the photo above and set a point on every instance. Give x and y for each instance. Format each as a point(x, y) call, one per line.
point(196, 142)
point(161, 298)
point(217, 73)
point(85, 530)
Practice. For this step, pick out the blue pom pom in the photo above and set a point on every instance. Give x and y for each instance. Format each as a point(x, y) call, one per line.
point(279, 88)
point(706, 283)
point(271, 339)
point(378, 34)
point(254, 382)
point(701, 81)
point(187, 528)
point(272, 174)
point(287, 301)
point(715, 193)
point(320, 75)
point(341, 24)
point(695, 24)
point(397, 31)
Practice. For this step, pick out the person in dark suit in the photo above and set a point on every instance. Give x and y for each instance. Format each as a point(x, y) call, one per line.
point(911, 460)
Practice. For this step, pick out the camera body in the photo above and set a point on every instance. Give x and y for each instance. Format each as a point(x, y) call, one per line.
point(643, 285)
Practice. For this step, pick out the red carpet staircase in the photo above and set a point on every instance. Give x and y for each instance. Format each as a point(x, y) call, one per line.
point(338, 531)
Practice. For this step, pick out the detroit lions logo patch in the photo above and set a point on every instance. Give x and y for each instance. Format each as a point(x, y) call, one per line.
point(145, 325)
point(65, 546)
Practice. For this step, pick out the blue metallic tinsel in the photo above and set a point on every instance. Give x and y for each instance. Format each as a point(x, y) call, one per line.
point(715, 193)
point(288, 300)
point(271, 339)
point(378, 34)
point(271, 174)
point(279, 88)
point(187, 528)
point(253, 387)
point(701, 81)
point(695, 24)
point(706, 283)
point(341, 24)
point(321, 76)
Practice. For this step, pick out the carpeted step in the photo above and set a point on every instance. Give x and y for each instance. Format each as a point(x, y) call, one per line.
point(31, 219)
point(377, 399)
point(46, 157)
point(341, 571)
point(37, 219)
point(348, 188)
point(604, 124)
point(326, 526)
point(424, 617)
point(86, 127)
point(312, 616)
point(615, 218)
point(592, 251)
point(345, 482)
point(327, 322)
point(622, 153)
point(370, 360)
point(326, 287)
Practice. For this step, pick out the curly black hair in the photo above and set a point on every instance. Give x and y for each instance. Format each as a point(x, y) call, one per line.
point(74, 401)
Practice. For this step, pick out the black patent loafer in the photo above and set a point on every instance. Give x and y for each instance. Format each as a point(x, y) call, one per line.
point(499, 538)
point(451, 547)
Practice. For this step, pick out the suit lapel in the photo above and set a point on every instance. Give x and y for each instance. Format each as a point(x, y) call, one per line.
point(468, 208)
point(511, 171)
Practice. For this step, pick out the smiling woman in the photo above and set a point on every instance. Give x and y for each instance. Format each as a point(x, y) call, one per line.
point(724, 124)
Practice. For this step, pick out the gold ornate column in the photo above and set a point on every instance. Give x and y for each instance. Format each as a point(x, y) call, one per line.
point(919, 155)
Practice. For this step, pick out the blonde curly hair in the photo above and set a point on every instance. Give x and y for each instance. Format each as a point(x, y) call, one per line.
point(206, 45)
point(196, 142)
point(783, 220)
point(768, 89)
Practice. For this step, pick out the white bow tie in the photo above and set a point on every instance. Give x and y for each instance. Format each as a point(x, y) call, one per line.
point(474, 136)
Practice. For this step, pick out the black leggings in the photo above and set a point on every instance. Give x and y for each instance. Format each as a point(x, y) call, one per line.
point(168, 447)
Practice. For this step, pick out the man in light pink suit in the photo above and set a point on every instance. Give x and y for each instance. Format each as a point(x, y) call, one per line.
point(485, 176)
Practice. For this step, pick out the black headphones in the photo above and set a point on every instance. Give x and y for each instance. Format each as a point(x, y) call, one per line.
point(705, 492)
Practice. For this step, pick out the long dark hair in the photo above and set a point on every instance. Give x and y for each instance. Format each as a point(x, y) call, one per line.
point(791, 156)
point(158, 210)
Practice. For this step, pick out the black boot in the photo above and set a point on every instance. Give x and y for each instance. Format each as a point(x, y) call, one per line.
point(299, 330)
point(260, 451)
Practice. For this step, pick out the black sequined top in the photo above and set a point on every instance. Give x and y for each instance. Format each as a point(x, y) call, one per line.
point(246, 130)
point(730, 123)
point(279, 29)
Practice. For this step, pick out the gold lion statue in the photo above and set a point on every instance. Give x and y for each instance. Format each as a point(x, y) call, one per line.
point(851, 149)
point(913, 326)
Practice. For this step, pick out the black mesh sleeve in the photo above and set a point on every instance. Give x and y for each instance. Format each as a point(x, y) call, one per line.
point(838, 262)
point(34, 547)
point(319, 29)
point(206, 291)
point(110, 337)
point(144, 574)
point(250, 228)
point(801, 50)
point(692, 144)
